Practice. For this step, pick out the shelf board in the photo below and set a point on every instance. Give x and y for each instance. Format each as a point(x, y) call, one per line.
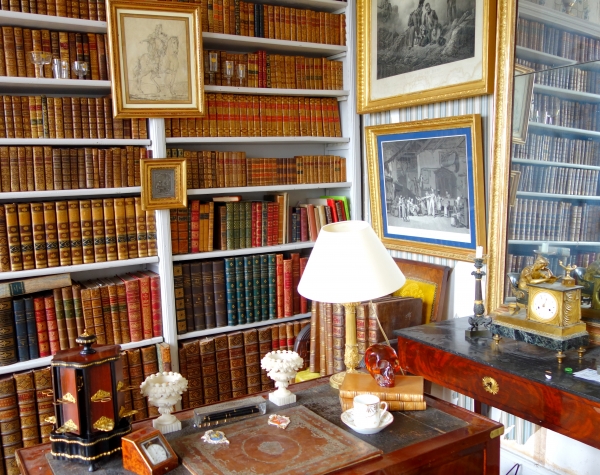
point(81, 192)
point(554, 243)
point(531, 194)
point(249, 250)
point(271, 188)
point(20, 274)
point(529, 54)
point(248, 44)
point(32, 20)
point(317, 5)
point(254, 140)
point(564, 131)
point(544, 163)
point(76, 142)
point(45, 361)
point(567, 94)
point(53, 86)
point(267, 91)
point(560, 20)
point(262, 323)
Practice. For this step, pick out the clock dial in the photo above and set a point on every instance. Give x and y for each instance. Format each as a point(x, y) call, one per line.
point(544, 306)
point(156, 453)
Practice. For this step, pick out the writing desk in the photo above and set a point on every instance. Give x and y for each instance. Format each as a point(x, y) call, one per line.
point(440, 440)
point(441, 353)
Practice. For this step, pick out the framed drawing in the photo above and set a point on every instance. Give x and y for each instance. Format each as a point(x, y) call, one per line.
point(426, 184)
point(412, 52)
point(164, 183)
point(513, 187)
point(522, 91)
point(156, 59)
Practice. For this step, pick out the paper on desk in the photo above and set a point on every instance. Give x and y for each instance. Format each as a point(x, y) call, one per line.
point(590, 374)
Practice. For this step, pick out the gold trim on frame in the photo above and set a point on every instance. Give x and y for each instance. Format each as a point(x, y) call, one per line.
point(154, 10)
point(373, 132)
point(364, 62)
point(178, 165)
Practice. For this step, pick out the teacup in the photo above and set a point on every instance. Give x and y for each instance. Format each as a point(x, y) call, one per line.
point(368, 411)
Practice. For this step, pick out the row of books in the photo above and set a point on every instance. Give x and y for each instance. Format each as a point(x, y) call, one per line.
point(237, 290)
point(53, 233)
point(276, 71)
point(227, 223)
point(565, 113)
point(226, 366)
point(232, 115)
point(27, 401)
point(50, 168)
point(550, 148)
point(117, 310)
point(236, 17)
point(211, 169)
point(84, 9)
point(574, 79)
point(547, 39)
point(533, 220)
point(18, 42)
point(566, 181)
point(65, 117)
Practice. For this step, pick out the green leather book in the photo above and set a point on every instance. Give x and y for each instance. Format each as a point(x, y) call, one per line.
point(264, 286)
point(230, 225)
point(272, 286)
point(20, 330)
point(256, 288)
point(240, 290)
point(249, 288)
point(236, 225)
point(32, 338)
point(230, 291)
point(248, 220)
point(265, 224)
point(209, 296)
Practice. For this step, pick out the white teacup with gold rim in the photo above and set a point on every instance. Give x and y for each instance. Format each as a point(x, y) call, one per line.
point(368, 410)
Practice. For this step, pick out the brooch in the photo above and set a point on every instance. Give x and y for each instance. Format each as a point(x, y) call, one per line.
point(214, 437)
point(279, 421)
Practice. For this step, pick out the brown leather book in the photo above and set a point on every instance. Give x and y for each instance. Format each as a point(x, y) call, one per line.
point(108, 119)
point(151, 233)
point(92, 117)
point(145, 304)
point(97, 311)
point(93, 9)
point(67, 115)
point(59, 312)
point(69, 312)
point(9, 354)
point(87, 231)
point(109, 324)
point(41, 326)
point(136, 377)
point(8, 117)
point(406, 388)
point(64, 238)
point(86, 308)
point(252, 354)
point(127, 403)
point(14, 236)
point(163, 352)
point(75, 232)
point(51, 228)
point(100, 117)
point(52, 323)
point(180, 314)
point(339, 340)
point(187, 296)
point(237, 364)
point(121, 229)
point(78, 308)
point(220, 301)
point(150, 366)
point(4, 251)
point(223, 367)
point(76, 116)
point(26, 398)
point(17, 117)
point(131, 226)
point(122, 309)
point(58, 118)
point(141, 229)
point(62, 174)
point(134, 309)
point(39, 172)
point(48, 168)
point(393, 314)
point(2, 59)
point(39, 236)
point(10, 431)
point(209, 371)
point(5, 169)
point(185, 397)
point(191, 358)
point(85, 119)
point(98, 230)
point(110, 231)
point(26, 236)
point(348, 403)
point(42, 379)
point(264, 347)
point(10, 58)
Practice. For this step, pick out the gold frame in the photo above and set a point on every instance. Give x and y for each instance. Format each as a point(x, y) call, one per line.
point(164, 108)
point(179, 200)
point(365, 104)
point(520, 138)
point(473, 122)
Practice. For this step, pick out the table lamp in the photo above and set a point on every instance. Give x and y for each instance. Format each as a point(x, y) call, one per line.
point(348, 265)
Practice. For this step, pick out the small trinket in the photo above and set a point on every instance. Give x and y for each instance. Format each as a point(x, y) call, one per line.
point(279, 421)
point(548, 374)
point(214, 437)
point(568, 370)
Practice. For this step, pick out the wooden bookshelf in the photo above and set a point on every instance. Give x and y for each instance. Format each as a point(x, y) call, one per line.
point(294, 246)
point(263, 189)
point(76, 193)
point(257, 140)
point(76, 143)
point(268, 91)
point(64, 87)
point(32, 20)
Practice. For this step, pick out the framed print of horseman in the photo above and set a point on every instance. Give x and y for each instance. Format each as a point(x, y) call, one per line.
point(156, 59)
point(412, 52)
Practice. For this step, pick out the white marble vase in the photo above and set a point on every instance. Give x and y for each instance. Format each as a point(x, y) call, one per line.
point(281, 367)
point(164, 390)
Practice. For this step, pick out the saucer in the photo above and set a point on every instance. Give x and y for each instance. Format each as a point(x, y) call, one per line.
point(348, 419)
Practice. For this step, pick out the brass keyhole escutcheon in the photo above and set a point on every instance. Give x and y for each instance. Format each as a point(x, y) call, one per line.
point(490, 385)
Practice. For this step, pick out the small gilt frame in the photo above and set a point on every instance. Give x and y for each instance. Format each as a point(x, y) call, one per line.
point(164, 183)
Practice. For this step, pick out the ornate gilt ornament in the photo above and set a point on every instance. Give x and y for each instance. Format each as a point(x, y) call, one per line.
point(50, 419)
point(104, 424)
point(125, 413)
point(490, 385)
point(68, 426)
point(101, 396)
point(67, 399)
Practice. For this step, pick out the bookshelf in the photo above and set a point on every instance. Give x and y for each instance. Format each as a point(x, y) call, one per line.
point(12, 85)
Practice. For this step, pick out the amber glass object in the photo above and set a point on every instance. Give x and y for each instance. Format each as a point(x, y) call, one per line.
point(382, 362)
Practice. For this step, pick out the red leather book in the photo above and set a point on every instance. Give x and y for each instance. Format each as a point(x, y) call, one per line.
point(209, 371)
point(334, 214)
point(41, 326)
point(303, 224)
point(295, 281)
point(280, 284)
point(288, 299)
point(223, 367)
point(155, 302)
point(191, 359)
point(110, 326)
point(303, 300)
point(115, 317)
point(122, 306)
point(52, 325)
point(134, 310)
point(282, 337)
point(145, 304)
point(275, 338)
point(195, 225)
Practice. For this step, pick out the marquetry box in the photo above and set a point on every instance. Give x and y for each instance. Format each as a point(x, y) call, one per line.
point(90, 417)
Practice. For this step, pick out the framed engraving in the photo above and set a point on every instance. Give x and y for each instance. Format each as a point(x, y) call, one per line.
point(156, 59)
point(522, 92)
point(164, 183)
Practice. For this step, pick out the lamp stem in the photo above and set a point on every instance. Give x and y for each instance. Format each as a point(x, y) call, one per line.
point(351, 358)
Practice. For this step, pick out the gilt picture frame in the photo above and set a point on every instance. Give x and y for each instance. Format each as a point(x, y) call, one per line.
point(156, 59)
point(164, 183)
point(522, 92)
point(426, 186)
point(423, 51)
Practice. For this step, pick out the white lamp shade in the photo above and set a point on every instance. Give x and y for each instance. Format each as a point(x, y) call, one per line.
point(349, 264)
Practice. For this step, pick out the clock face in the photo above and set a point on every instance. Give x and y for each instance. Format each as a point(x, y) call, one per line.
point(544, 306)
point(156, 453)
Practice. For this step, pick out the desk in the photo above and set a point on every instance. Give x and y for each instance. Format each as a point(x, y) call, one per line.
point(441, 353)
point(440, 440)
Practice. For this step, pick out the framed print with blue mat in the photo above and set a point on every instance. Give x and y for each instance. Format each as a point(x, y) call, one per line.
point(427, 188)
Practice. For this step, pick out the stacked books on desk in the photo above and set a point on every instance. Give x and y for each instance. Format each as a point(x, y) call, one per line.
point(406, 395)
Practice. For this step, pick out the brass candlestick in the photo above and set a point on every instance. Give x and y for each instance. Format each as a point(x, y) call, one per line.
point(479, 322)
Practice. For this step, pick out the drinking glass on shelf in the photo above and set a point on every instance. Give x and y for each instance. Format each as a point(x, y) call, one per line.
point(80, 68)
point(228, 71)
point(60, 69)
point(241, 73)
point(39, 58)
point(213, 66)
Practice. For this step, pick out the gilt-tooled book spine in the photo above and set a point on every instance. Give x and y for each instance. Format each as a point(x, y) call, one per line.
point(87, 231)
point(155, 301)
point(338, 337)
point(249, 288)
point(10, 59)
point(288, 309)
point(39, 173)
point(362, 312)
point(64, 238)
point(51, 229)
point(132, 290)
point(10, 425)
point(41, 327)
point(151, 233)
point(61, 323)
point(75, 232)
point(110, 231)
point(145, 304)
point(328, 309)
point(174, 232)
point(252, 354)
point(86, 306)
point(140, 217)
point(67, 117)
point(315, 339)
point(185, 397)
point(231, 291)
point(187, 296)
point(240, 294)
point(97, 313)
point(163, 352)
point(282, 336)
point(209, 297)
point(39, 236)
point(4, 249)
point(78, 309)
point(219, 286)
point(127, 402)
point(26, 398)
point(272, 286)
point(223, 367)
point(179, 299)
point(197, 290)
point(136, 377)
point(44, 400)
point(264, 347)
point(98, 230)
point(121, 229)
point(9, 353)
point(150, 366)
point(52, 324)
point(109, 334)
point(124, 324)
point(209, 370)
point(264, 286)
point(30, 330)
point(26, 236)
point(237, 364)
point(348, 403)
point(191, 360)
point(130, 220)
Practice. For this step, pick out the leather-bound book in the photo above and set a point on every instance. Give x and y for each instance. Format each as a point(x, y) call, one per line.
point(145, 304)
point(121, 292)
point(281, 330)
point(150, 366)
point(48, 168)
point(151, 233)
point(348, 403)
point(209, 298)
point(127, 401)
point(110, 231)
point(42, 379)
point(59, 311)
point(328, 309)
point(10, 58)
point(97, 312)
point(163, 352)
point(174, 232)
point(209, 370)
point(249, 288)
point(237, 364)
point(264, 347)
point(295, 280)
point(109, 324)
point(362, 316)
point(194, 225)
point(393, 314)
point(252, 354)
point(86, 306)
point(26, 236)
point(179, 299)
point(280, 283)
point(275, 338)
point(315, 339)
point(4, 160)
point(26, 398)
point(230, 291)
point(8, 119)
point(121, 229)
point(187, 296)
point(30, 327)
point(98, 230)
point(89, 167)
point(62, 169)
point(10, 430)
point(8, 341)
point(134, 310)
point(191, 358)
point(64, 238)
point(39, 236)
point(69, 313)
point(41, 327)
point(136, 377)
point(221, 305)
point(17, 116)
point(197, 289)
point(288, 302)
point(4, 250)
point(182, 230)
point(339, 340)
point(17, 329)
point(87, 231)
point(51, 228)
point(131, 227)
point(323, 339)
point(140, 218)
point(39, 173)
point(75, 232)
point(223, 367)
point(51, 324)
point(67, 117)
point(185, 397)
point(240, 290)
point(264, 287)
point(78, 308)
point(289, 333)
point(155, 301)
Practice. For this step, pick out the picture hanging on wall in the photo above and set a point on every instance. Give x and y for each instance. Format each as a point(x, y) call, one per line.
point(426, 185)
point(412, 52)
point(156, 59)
point(164, 183)
point(522, 92)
